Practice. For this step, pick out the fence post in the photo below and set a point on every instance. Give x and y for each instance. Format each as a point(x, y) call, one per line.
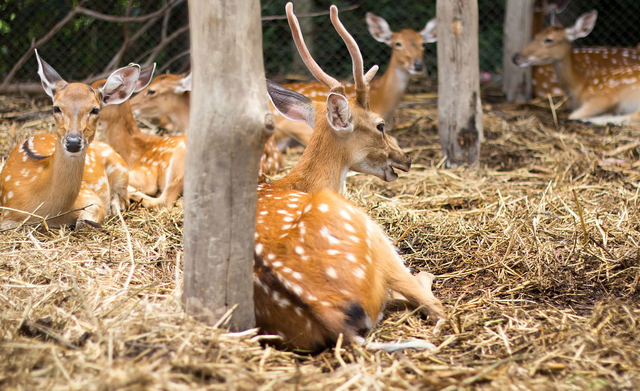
point(229, 122)
point(518, 24)
point(459, 108)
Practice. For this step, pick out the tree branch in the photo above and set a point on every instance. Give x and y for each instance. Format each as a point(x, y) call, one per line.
point(121, 19)
point(38, 43)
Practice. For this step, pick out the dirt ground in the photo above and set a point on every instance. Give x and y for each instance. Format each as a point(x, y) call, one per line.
point(536, 253)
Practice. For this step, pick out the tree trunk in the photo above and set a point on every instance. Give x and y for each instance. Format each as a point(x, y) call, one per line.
point(518, 24)
point(459, 108)
point(230, 120)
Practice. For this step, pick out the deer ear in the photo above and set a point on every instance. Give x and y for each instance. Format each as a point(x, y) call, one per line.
point(379, 28)
point(583, 26)
point(146, 75)
point(339, 113)
point(120, 85)
point(185, 84)
point(290, 104)
point(49, 78)
point(430, 32)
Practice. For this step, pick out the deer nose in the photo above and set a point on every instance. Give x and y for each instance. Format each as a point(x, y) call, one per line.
point(516, 58)
point(73, 143)
point(417, 65)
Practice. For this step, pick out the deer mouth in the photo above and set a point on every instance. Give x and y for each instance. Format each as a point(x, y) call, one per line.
point(390, 174)
point(524, 61)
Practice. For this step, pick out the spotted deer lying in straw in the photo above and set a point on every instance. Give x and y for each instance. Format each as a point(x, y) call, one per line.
point(592, 91)
point(156, 164)
point(320, 262)
point(65, 174)
point(169, 96)
point(544, 79)
point(386, 91)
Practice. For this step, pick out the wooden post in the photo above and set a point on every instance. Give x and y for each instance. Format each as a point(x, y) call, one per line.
point(518, 24)
point(459, 108)
point(230, 120)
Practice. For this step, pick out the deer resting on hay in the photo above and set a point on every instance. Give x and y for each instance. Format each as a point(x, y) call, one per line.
point(320, 262)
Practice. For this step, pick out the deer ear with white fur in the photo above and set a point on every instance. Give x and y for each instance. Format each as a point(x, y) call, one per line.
point(120, 85)
point(430, 32)
point(185, 84)
point(339, 113)
point(379, 28)
point(146, 75)
point(49, 78)
point(292, 105)
point(583, 26)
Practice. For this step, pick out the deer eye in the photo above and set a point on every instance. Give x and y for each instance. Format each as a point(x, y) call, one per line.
point(95, 111)
point(548, 41)
point(398, 44)
point(151, 92)
point(56, 110)
point(380, 127)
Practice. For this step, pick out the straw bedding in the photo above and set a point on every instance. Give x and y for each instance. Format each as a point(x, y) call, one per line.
point(536, 253)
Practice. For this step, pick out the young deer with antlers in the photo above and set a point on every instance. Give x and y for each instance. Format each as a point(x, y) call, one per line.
point(592, 91)
point(320, 262)
point(65, 174)
point(169, 96)
point(386, 91)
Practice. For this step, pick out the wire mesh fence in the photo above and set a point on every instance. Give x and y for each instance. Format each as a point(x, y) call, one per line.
point(85, 39)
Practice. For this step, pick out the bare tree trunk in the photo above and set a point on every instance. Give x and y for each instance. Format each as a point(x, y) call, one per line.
point(230, 121)
point(459, 108)
point(518, 24)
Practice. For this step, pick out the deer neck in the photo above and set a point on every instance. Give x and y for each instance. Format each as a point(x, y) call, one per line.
point(569, 76)
point(122, 132)
point(180, 115)
point(64, 179)
point(322, 166)
point(388, 90)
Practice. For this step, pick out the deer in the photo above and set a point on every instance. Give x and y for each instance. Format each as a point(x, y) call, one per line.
point(319, 261)
point(156, 164)
point(544, 80)
point(168, 96)
point(67, 177)
point(386, 92)
point(591, 91)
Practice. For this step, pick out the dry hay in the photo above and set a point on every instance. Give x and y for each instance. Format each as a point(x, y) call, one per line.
point(536, 253)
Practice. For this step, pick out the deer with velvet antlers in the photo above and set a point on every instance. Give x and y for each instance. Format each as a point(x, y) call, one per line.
point(386, 91)
point(321, 262)
point(65, 176)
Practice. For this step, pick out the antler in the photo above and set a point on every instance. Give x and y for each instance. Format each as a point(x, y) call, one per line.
point(360, 79)
point(313, 66)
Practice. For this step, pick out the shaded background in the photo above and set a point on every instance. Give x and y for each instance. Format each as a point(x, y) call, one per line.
point(85, 46)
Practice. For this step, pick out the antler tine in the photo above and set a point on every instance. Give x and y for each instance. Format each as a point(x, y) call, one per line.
point(311, 64)
point(371, 74)
point(361, 81)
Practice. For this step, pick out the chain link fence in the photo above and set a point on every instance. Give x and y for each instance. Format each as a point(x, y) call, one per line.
point(85, 39)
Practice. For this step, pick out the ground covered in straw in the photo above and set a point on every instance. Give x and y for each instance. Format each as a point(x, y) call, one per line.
point(536, 253)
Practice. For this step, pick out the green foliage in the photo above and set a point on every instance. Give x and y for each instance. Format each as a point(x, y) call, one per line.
point(82, 47)
point(86, 45)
